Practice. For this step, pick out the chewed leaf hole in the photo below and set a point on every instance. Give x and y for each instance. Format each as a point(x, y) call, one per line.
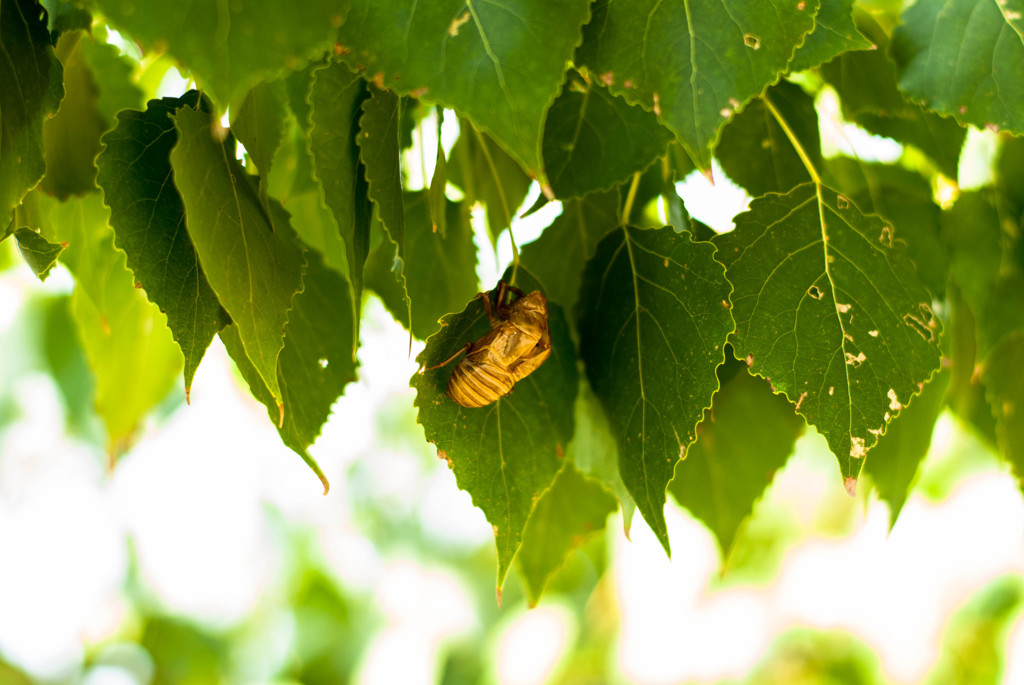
point(815, 292)
point(752, 41)
point(322, 362)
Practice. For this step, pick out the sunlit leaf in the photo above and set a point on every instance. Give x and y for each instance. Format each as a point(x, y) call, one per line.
point(500, 65)
point(30, 90)
point(39, 253)
point(316, 362)
point(254, 270)
point(756, 153)
point(829, 308)
point(441, 269)
point(113, 78)
point(505, 454)
point(125, 337)
point(693, 63)
point(593, 140)
point(654, 317)
point(894, 461)
point(148, 217)
point(746, 436)
point(229, 47)
point(573, 508)
point(260, 126)
point(964, 59)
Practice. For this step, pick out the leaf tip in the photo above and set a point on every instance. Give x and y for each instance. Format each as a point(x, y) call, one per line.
point(709, 175)
point(851, 486)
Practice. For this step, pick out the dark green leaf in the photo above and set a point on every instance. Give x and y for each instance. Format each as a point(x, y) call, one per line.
point(866, 84)
point(654, 317)
point(1009, 173)
point(260, 126)
point(834, 34)
point(966, 393)
point(486, 174)
point(746, 436)
point(594, 140)
point(894, 461)
point(557, 257)
point(572, 509)
point(125, 337)
point(148, 217)
point(316, 227)
point(65, 16)
point(756, 153)
point(441, 270)
point(829, 307)
point(500, 65)
point(438, 203)
point(317, 360)
point(229, 47)
point(39, 253)
point(379, 153)
point(904, 198)
point(693, 64)
point(507, 453)
point(31, 89)
point(254, 270)
point(334, 108)
point(964, 59)
point(1005, 392)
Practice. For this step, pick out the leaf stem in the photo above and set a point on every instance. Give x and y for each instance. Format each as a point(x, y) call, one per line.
point(627, 209)
point(793, 140)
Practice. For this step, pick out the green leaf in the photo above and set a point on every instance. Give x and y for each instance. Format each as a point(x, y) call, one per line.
point(230, 46)
point(112, 76)
point(829, 307)
point(31, 89)
point(254, 270)
point(499, 65)
point(654, 317)
point(746, 436)
point(964, 59)
point(64, 17)
point(693, 64)
point(834, 34)
point(125, 337)
point(1005, 392)
point(486, 174)
point(441, 269)
point(594, 140)
point(571, 510)
point(71, 138)
point(437, 201)
point(39, 253)
point(334, 109)
point(315, 225)
point(904, 198)
point(260, 126)
point(756, 153)
point(966, 393)
point(866, 84)
point(894, 461)
point(316, 362)
point(505, 454)
point(379, 152)
point(594, 453)
point(557, 257)
point(148, 216)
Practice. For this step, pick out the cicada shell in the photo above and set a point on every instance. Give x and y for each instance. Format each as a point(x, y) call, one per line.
point(517, 344)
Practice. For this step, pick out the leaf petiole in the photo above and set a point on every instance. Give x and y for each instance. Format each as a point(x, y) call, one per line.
point(794, 141)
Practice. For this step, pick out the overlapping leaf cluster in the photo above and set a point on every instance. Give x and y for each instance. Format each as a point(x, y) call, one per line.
point(679, 356)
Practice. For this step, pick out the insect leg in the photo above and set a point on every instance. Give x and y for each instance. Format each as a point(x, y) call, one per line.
point(486, 296)
point(450, 359)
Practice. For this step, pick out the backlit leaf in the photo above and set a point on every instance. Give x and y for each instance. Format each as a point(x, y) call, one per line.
point(254, 270)
point(30, 89)
point(746, 436)
point(572, 509)
point(962, 58)
point(593, 140)
point(260, 126)
point(39, 253)
point(500, 65)
point(230, 46)
point(148, 217)
point(830, 309)
point(693, 63)
point(653, 320)
point(505, 454)
point(834, 33)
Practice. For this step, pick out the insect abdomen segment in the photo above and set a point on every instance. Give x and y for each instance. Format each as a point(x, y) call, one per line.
point(479, 384)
